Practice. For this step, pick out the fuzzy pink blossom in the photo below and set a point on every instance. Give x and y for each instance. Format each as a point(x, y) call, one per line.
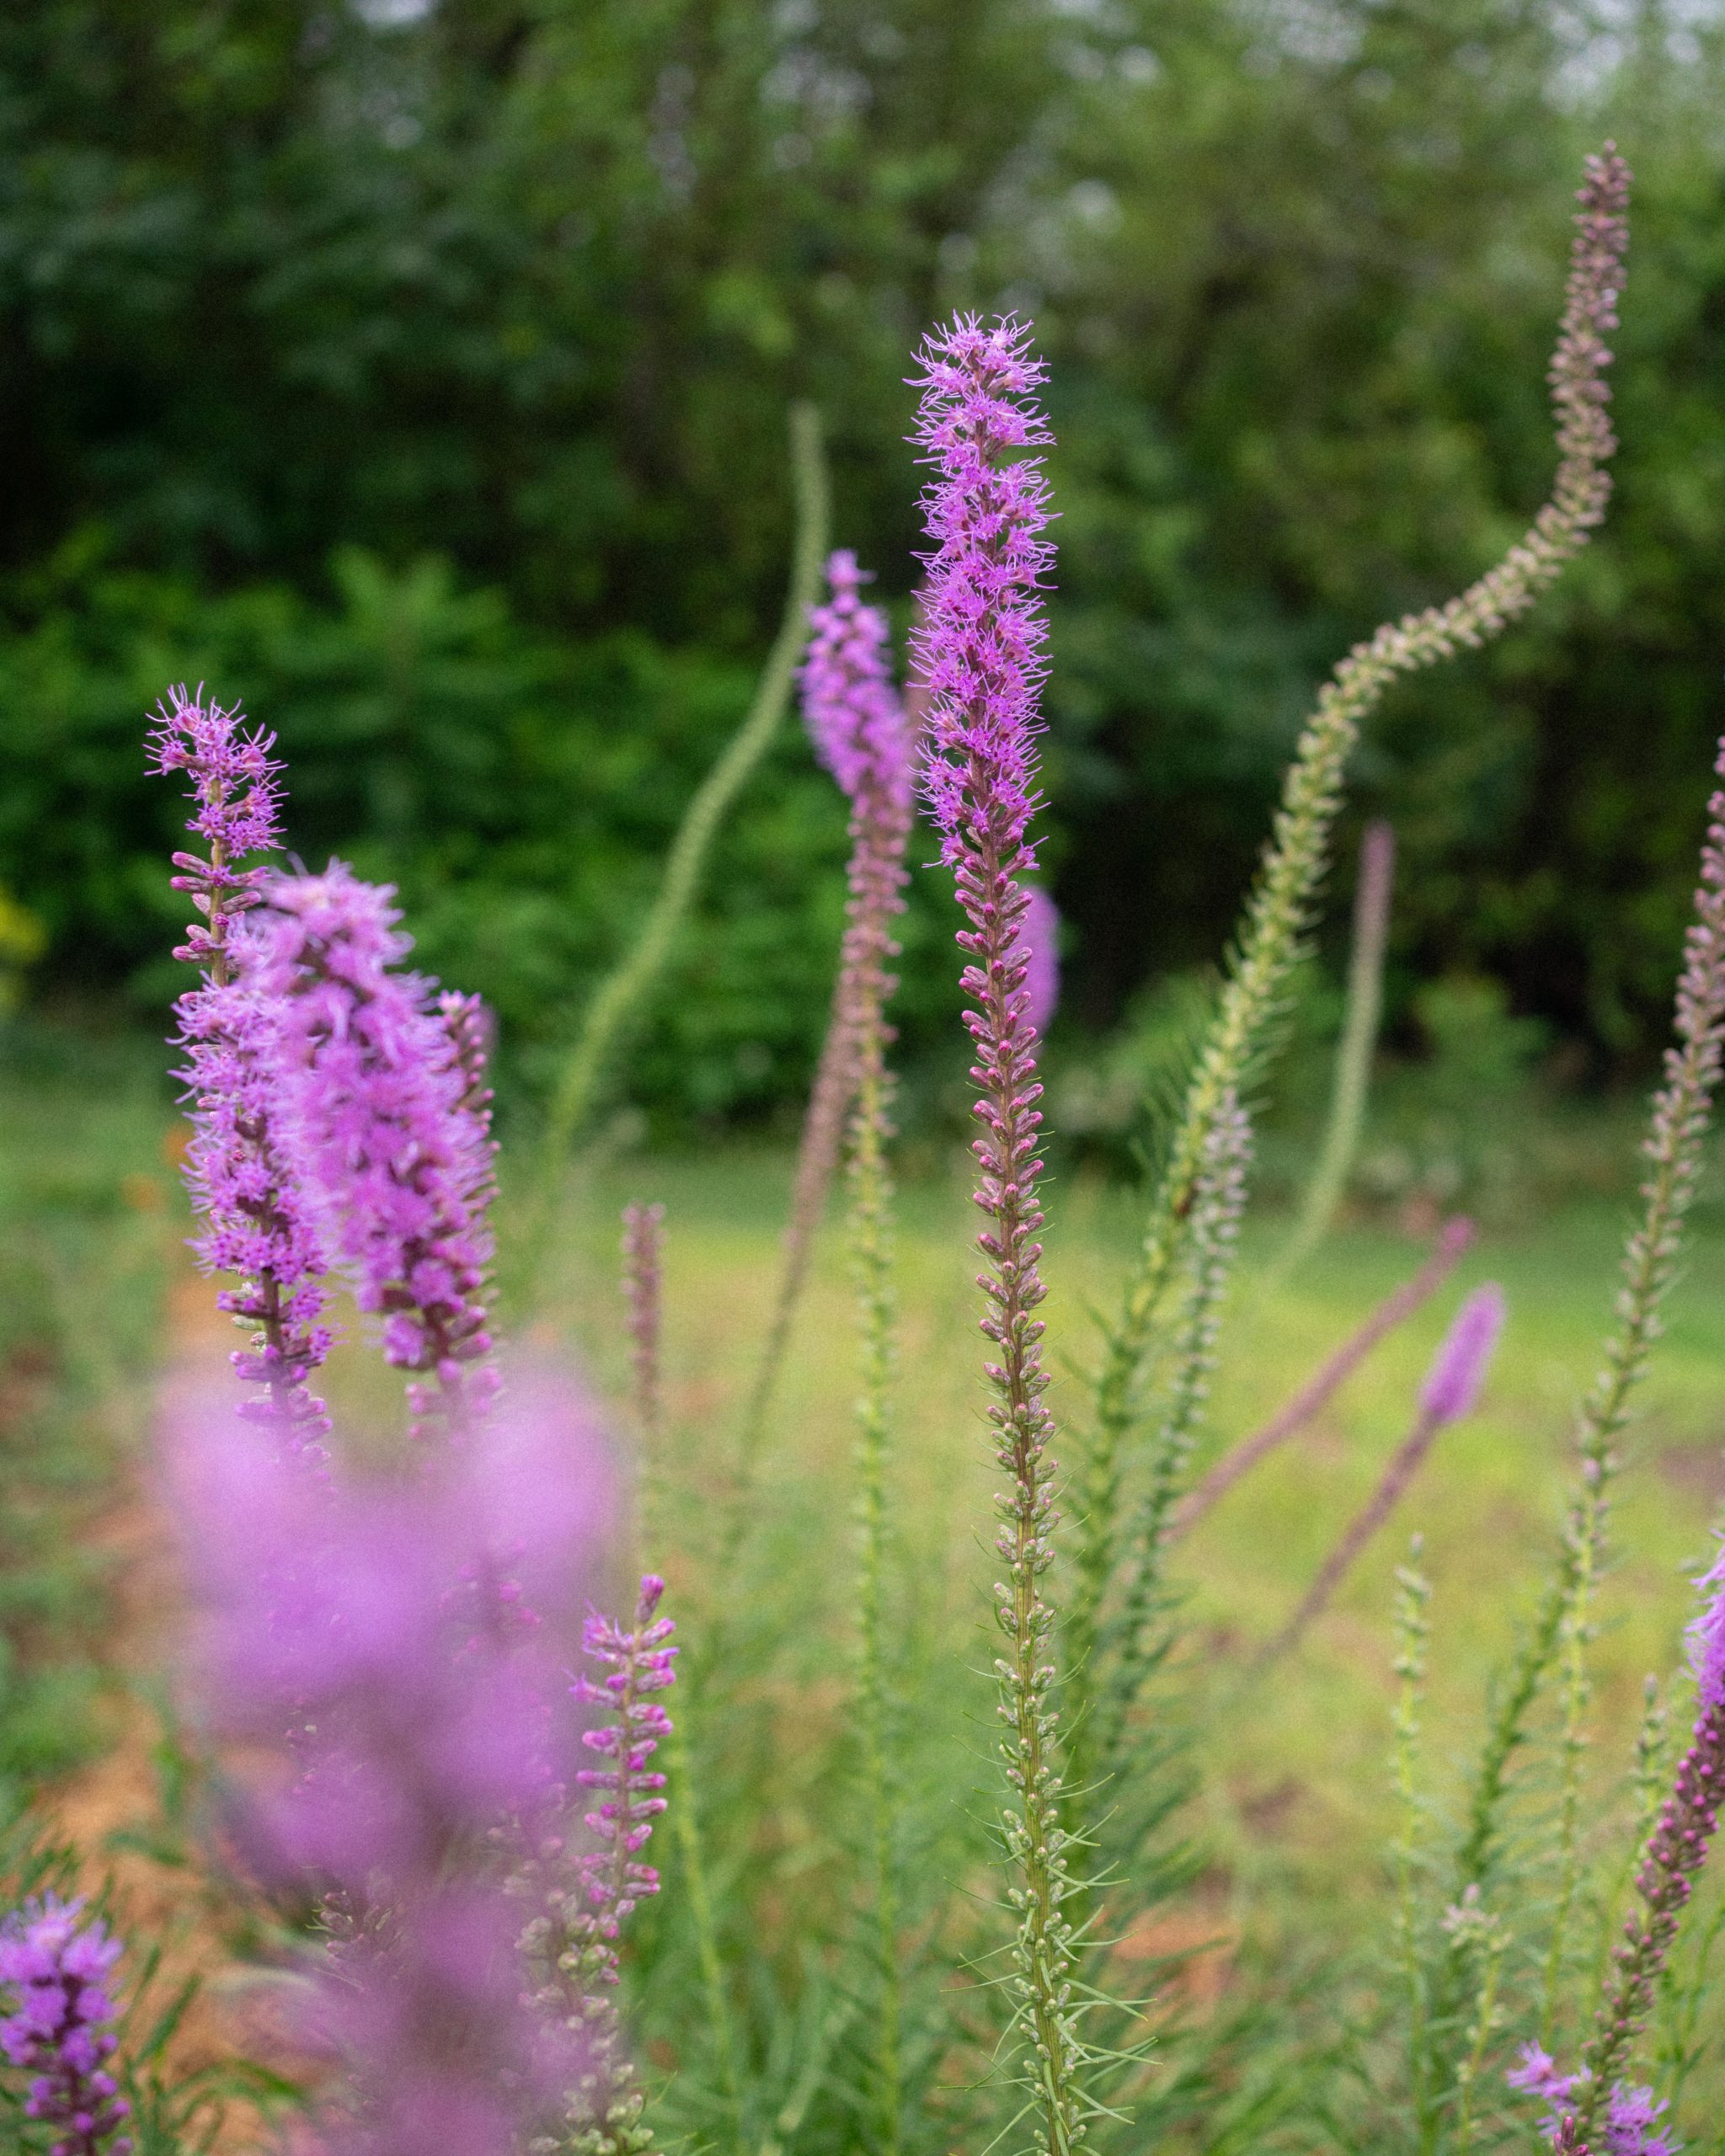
point(1464, 1356)
point(387, 1120)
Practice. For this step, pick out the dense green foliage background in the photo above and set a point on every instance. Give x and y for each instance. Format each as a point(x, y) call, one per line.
point(419, 374)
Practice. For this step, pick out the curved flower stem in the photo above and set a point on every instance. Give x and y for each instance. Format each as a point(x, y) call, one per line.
point(621, 996)
point(1454, 1240)
point(1358, 1043)
point(1279, 909)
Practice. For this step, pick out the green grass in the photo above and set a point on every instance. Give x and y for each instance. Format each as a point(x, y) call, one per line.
point(88, 1218)
point(1293, 1812)
point(1294, 1816)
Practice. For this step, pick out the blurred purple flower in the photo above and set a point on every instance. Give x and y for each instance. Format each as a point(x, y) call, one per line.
point(1632, 2116)
point(56, 1965)
point(1707, 1636)
point(1039, 946)
point(1458, 1371)
point(387, 1121)
point(854, 716)
point(400, 1650)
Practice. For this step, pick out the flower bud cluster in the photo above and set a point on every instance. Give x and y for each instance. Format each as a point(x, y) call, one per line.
point(56, 1967)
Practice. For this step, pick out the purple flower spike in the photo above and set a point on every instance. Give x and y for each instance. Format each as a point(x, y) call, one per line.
point(56, 1966)
point(1039, 946)
point(981, 649)
point(256, 1221)
point(640, 1665)
point(387, 1121)
point(854, 716)
point(236, 785)
point(574, 1942)
point(1458, 1370)
point(1707, 1636)
point(980, 655)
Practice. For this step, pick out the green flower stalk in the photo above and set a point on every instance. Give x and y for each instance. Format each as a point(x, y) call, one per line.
point(1358, 1041)
point(1681, 1108)
point(623, 996)
point(643, 1283)
point(1413, 1596)
point(1218, 1202)
point(1279, 909)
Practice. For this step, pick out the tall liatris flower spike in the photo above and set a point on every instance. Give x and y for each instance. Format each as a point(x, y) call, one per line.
point(56, 1965)
point(980, 655)
point(256, 1220)
point(387, 1120)
point(861, 732)
point(575, 1943)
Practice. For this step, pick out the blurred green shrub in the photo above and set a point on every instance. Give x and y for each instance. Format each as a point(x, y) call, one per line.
point(529, 288)
point(520, 789)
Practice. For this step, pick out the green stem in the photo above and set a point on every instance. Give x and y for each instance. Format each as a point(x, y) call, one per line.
point(622, 997)
point(1359, 1043)
point(871, 1245)
point(685, 1824)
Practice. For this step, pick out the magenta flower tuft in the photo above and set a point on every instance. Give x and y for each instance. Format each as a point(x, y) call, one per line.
point(236, 785)
point(386, 1119)
point(639, 1665)
point(981, 646)
point(853, 714)
point(573, 1942)
point(1632, 2116)
point(1458, 1371)
point(56, 1965)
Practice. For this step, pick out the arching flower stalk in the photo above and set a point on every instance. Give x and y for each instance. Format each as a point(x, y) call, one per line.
point(1279, 909)
point(980, 652)
point(256, 1220)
